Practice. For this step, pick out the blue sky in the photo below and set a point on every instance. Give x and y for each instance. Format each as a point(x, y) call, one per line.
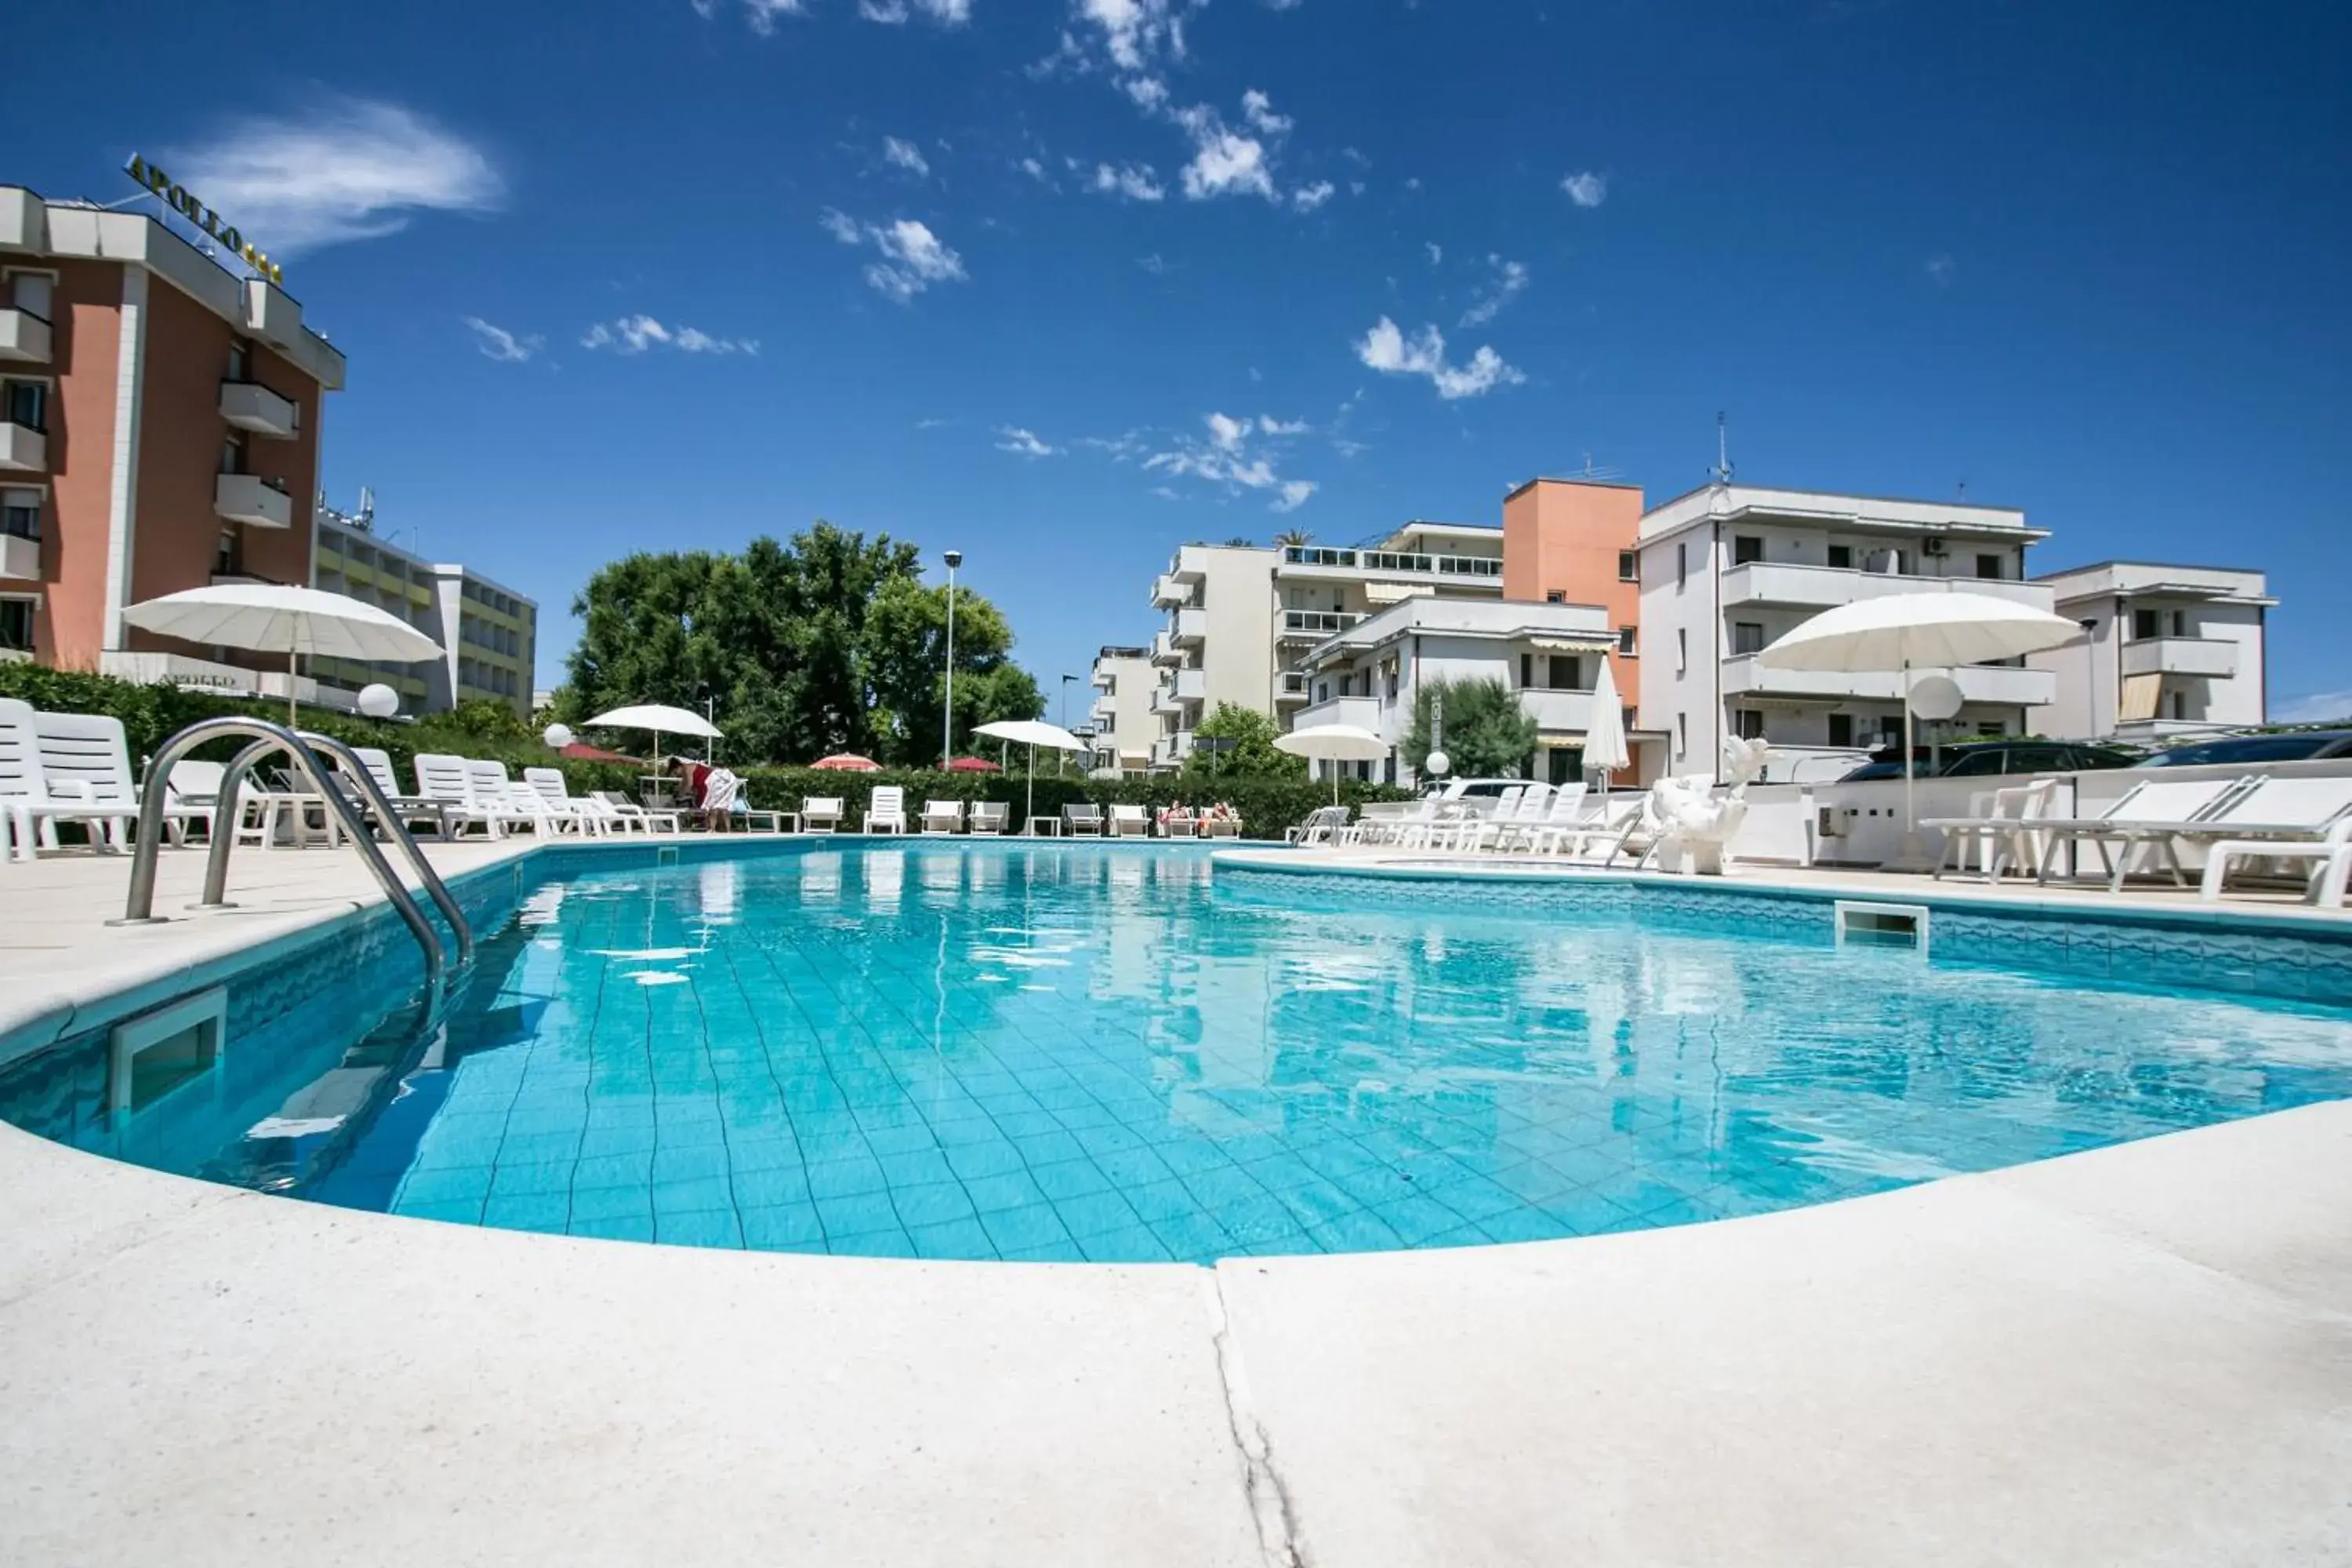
point(979, 273)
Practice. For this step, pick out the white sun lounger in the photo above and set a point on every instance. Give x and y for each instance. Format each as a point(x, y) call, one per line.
point(1083, 819)
point(2004, 838)
point(2153, 812)
point(989, 816)
point(63, 767)
point(886, 809)
point(821, 814)
point(1129, 820)
point(943, 815)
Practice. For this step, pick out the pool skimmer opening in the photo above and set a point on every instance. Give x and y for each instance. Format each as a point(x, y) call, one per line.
point(1866, 924)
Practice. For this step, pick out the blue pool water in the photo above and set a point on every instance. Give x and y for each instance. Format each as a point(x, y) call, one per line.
point(1091, 1052)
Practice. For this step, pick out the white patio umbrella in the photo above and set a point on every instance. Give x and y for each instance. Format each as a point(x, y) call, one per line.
point(1031, 733)
point(1904, 632)
point(272, 617)
point(1333, 743)
point(660, 718)
point(1604, 732)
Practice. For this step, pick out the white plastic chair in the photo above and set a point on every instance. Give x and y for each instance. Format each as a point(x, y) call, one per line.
point(886, 809)
point(1999, 841)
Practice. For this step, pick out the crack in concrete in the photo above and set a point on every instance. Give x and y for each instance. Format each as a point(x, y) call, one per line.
point(1272, 1511)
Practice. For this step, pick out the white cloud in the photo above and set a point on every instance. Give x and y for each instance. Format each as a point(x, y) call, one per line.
point(1134, 33)
point(761, 14)
point(913, 258)
point(946, 13)
point(1036, 170)
point(1387, 349)
point(1149, 92)
point(1436, 251)
point(1134, 182)
point(355, 169)
point(1510, 278)
point(1224, 162)
point(1258, 110)
point(1239, 455)
point(1306, 199)
point(1586, 189)
point(1941, 267)
point(1012, 438)
point(497, 343)
point(1155, 263)
point(2315, 707)
point(904, 155)
point(635, 334)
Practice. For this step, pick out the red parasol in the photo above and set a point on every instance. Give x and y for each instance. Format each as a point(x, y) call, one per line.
point(973, 765)
point(582, 752)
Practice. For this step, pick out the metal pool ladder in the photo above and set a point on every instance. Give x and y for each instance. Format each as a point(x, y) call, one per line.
point(303, 750)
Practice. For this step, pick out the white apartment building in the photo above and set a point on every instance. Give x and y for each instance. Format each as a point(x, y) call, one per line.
point(1727, 569)
point(1242, 618)
point(489, 634)
point(1369, 674)
point(2167, 650)
point(1123, 721)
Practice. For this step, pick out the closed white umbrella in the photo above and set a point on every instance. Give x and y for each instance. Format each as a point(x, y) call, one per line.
point(1604, 732)
point(1031, 733)
point(1904, 632)
point(1333, 743)
point(271, 617)
point(658, 717)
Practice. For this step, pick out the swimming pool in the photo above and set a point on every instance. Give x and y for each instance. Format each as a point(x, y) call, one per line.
point(1106, 1053)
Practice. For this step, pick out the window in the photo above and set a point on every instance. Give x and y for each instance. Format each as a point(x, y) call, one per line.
point(232, 458)
point(1989, 568)
point(1990, 727)
point(1564, 672)
point(20, 513)
point(1682, 566)
point(1526, 670)
point(25, 403)
point(1747, 636)
point(1747, 724)
point(1629, 566)
point(30, 292)
point(1682, 733)
point(2143, 624)
point(17, 624)
point(1890, 729)
point(1841, 729)
point(1746, 547)
point(1682, 649)
point(228, 554)
point(1976, 764)
point(1626, 638)
point(1627, 714)
point(1842, 556)
point(240, 360)
point(1556, 596)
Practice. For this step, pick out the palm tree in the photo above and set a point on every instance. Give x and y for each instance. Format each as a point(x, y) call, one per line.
point(1293, 537)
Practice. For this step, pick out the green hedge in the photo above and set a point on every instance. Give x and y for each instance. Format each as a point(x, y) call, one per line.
point(151, 714)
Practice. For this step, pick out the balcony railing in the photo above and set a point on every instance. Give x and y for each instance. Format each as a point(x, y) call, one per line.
point(1168, 590)
point(1363, 712)
point(21, 448)
point(24, 337)
point(1411, 564)
point(1825, 587)
point(1996, 686)
point(20, 558)
point(1313, 626)
point(2182, 655)
point(1192, 625)
point(250, 499)
point(249, 406)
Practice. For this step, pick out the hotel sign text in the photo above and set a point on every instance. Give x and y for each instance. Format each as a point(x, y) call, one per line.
point(203, 216)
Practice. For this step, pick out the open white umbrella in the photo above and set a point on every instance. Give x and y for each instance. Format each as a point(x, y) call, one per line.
point(658, 717)
point(1031, 733)
point(1333, 743)
point(272, 617)
point(1604, 732)
point(1904, 632)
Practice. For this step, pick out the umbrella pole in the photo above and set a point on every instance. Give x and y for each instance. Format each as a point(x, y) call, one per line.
point(290, 688)
point(1033, 785)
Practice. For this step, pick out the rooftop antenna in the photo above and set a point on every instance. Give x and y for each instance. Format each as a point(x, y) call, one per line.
point(1963, 490)
point(367, 507)
point(1722, 470)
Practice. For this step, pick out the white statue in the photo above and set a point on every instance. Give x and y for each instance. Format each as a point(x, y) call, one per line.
point(1688, 823)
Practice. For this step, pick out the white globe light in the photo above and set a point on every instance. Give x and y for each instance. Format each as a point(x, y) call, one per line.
point(557, 736)
point(1437, 764)
point(379, 701)
point(1936, 697)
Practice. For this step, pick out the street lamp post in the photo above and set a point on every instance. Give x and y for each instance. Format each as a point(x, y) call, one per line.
point(1067, 678)
point(954, 559)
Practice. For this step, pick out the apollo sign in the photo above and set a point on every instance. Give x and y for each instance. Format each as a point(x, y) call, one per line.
point(203, 216)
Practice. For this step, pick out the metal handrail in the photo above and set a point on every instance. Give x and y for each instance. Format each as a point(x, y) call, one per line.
point(138, 908)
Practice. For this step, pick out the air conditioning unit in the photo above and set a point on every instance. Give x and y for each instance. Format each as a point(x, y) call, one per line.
point(1931, 546)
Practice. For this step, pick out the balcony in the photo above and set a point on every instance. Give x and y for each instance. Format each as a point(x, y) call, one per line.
point(1169, 591)
point(1994, 686)
point(1826, 587)
point(1558, 713)
point(1314, 562)
point(1163, 648)
point(1171, 750)
point(1291, 687)
point(249, 406)
point(1314, 626)
point(1191, 628)
point(1190, 685)
point(24, 337)
point(252, 499)
point(1363, 712)
point(22, 451)
point(2182, 655)
point(20, 559)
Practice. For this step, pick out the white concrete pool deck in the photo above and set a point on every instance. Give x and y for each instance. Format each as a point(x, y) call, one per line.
point(2141, 1355)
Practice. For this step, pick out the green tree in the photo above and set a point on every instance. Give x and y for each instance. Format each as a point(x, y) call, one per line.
point(822, 643)
point(1253, 755)
point(1487, 733)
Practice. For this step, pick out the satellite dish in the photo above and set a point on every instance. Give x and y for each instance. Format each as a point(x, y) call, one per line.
point(1437, 764)
point(1936, 697)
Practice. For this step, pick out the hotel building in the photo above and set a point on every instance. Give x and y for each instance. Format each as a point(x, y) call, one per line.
point(1124, 722)
point(159, 430)
point(2165, 650)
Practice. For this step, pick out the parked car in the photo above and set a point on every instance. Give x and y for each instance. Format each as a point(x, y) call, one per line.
point(2299, 746)
point(1979, 759)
